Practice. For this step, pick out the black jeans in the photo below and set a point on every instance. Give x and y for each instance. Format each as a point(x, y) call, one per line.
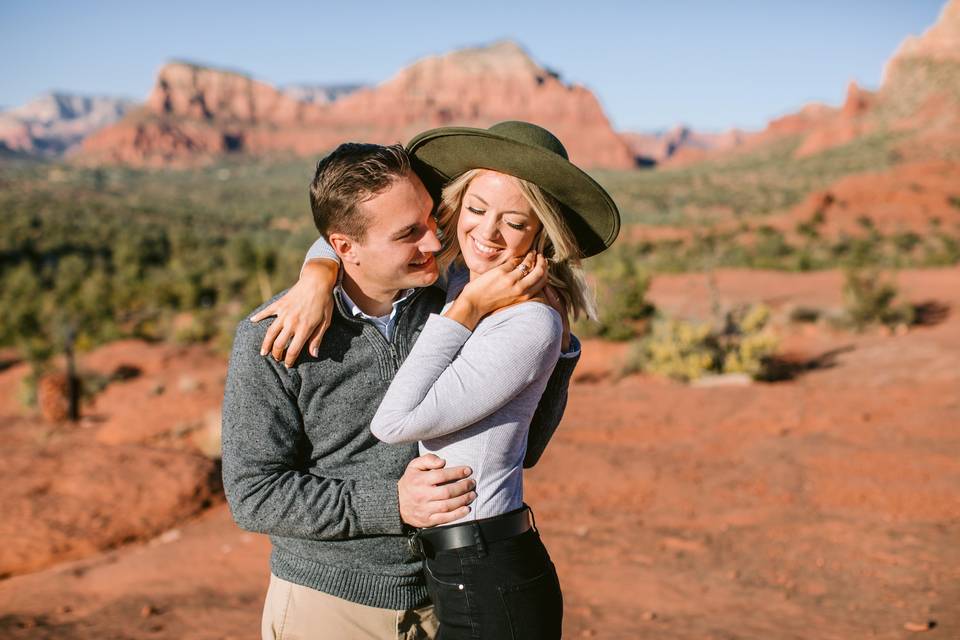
point(502, 590)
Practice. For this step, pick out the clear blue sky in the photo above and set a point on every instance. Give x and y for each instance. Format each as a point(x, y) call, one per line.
point(710, 64)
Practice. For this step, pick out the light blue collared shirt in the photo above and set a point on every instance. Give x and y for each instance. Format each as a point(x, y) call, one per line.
point(384, 324)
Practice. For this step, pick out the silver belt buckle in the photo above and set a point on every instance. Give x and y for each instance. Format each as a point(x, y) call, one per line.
point(416, 544)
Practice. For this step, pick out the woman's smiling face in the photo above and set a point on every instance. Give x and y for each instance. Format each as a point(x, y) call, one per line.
point(496, 222)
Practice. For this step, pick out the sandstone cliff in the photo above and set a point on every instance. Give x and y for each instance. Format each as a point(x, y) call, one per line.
point(918, 99)
point(196, 113)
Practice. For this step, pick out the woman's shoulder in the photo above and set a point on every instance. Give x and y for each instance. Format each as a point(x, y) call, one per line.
point(535, 317)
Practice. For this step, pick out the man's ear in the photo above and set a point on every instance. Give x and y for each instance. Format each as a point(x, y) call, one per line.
point(345, 246)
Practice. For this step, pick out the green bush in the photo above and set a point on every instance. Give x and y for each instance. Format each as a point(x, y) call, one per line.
point(686, 350)
point(870, 298)
point(97, 255)
point(624, 310)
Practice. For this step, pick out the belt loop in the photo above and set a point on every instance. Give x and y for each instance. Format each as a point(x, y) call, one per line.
point(481, 543)
point(533, 520)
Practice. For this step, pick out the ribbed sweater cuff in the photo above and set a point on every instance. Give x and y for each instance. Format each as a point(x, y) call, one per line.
point(437, 322)
point(378, 507)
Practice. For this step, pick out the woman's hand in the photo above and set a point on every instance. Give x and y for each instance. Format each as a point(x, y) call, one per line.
point(516, 280)
point(303, 313)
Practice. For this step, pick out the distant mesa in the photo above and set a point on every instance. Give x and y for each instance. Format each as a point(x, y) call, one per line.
point(195, 113)
point(319, 93)
point(57, 122)
point(679, 145)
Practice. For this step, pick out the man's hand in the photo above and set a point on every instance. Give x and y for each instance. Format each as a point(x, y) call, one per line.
point(431, 495)
point(303, 313)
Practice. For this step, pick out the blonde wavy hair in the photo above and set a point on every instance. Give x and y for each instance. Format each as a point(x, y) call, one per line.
point(555, 240)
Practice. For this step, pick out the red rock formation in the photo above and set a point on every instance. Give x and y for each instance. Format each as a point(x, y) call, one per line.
point(905, 197)
point(919, 97)
point(481, 86)
point(141, 140)
point(198, 113)
point(14, 134)
point(939, 43)
point(190, 91)
point(839, 127)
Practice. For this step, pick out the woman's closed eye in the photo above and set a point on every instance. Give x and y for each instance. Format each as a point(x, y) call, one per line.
point(515, 225)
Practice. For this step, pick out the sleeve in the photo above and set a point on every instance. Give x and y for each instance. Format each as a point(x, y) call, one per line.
point(553, 402)
point(320, 250)
point(264, 460)
point(449, 382)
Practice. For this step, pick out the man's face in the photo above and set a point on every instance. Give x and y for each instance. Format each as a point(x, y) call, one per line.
point(397, 252)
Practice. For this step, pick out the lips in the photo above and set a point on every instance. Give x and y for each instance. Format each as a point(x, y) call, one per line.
point(483, 249)
point(423, 262)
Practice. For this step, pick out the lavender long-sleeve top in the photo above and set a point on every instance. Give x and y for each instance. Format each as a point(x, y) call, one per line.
point(469, 396)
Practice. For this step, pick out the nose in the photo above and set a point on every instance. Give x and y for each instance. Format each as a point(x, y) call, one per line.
point(488, 228)
point(430, 243)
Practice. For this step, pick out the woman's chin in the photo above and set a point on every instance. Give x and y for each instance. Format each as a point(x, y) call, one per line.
point(476, 265)
point(479, 265)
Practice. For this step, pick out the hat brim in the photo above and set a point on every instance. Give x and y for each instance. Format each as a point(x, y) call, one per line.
point(442, 154)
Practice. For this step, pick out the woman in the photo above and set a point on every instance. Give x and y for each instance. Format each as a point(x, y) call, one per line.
point(468, 393)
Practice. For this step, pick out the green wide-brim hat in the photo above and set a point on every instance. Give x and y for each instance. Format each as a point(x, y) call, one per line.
point(525, 151)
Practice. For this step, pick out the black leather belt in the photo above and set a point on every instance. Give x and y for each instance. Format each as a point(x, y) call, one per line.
point(426, 542)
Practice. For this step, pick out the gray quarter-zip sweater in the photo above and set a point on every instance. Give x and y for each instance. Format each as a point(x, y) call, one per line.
point(300, 463)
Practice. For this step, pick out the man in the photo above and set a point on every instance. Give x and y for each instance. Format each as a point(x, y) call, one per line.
point(299, 462)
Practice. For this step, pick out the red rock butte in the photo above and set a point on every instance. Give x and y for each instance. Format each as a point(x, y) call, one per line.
point(919, 99)
point(195, 114)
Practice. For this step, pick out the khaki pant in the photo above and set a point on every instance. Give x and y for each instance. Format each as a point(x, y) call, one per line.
point(294, 612)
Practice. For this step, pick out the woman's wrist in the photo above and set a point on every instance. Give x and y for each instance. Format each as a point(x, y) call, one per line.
point(320, 272)
point(464, 311)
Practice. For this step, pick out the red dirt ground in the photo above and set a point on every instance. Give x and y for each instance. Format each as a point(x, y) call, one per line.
point(824, 507)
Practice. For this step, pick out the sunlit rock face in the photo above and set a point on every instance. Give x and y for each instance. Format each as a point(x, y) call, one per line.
point(195, 112)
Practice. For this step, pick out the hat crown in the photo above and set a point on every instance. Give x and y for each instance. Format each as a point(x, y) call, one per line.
point(530, 134)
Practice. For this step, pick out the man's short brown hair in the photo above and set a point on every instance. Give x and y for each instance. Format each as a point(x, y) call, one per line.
point(353, 173)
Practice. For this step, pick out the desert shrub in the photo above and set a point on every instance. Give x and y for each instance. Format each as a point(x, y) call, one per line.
point(624, 310)
point(870, 298)
point(770, 248)
point(674, 348)
point(747, 344)
point(805, 315)
point(686, 350)
point(97, 255)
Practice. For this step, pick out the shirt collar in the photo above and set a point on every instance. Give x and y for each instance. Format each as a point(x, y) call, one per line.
point(357, 312)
